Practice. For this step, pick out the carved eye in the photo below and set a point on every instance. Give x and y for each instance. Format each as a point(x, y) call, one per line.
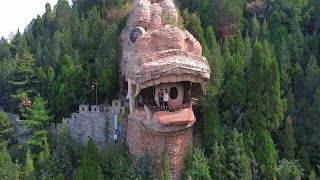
point(136, 33)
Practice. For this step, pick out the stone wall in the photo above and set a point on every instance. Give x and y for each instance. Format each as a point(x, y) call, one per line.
point(92, 121)
point(18, 129)
point(86, 124)
point(141, 139)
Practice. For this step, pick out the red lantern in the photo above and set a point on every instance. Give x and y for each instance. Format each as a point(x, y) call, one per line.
point(29, 103)
point(23, 102)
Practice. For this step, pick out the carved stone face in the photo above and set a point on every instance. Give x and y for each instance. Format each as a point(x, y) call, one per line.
point(157, 52)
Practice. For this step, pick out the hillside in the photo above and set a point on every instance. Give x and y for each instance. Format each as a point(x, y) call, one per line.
point(259, 118)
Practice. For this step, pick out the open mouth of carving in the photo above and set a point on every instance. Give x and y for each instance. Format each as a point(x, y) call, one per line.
point(176, 110)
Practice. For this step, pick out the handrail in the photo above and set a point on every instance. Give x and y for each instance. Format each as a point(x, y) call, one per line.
point(176, 104)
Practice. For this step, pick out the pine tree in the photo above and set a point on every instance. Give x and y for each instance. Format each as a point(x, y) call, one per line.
point(312, 175)
point(23, 79)
point(265, 154)
point(298, 82)
point(4, 49)
point(67, 90)
point(289, 170)
point(288, 140)
point(8, 170)
point(248, 51)
point(283, 55)
point(304, 161)
point(217, 162)
point(216, 63)
point(90, 164)
point(264, 31)
point(312, 77)
point(255, 27)
point(6, 129)
point(165, 166)
point(44, 155)
point(213, 132)
point(28, 168)
point(226, 16)
point(264, 89)
point(237, 161)
point(143, 169)
point(36, 121)
point(196, 165)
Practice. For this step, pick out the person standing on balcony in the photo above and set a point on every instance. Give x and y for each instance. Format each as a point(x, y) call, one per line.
point(160, 96)
point(166, 99)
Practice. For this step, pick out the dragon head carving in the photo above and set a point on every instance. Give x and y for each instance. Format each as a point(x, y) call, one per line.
point(157, 54)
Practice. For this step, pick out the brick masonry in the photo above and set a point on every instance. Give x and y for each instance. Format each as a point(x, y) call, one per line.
point(141, 139)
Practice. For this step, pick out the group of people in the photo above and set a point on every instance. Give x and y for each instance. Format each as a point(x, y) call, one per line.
point(163, 100)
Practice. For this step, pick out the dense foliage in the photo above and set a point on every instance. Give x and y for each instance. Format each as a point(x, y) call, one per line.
point(259, 118)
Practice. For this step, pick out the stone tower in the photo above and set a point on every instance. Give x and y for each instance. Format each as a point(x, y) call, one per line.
point(158, 55)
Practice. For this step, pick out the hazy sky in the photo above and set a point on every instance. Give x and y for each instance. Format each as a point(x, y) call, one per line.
point(16, 14)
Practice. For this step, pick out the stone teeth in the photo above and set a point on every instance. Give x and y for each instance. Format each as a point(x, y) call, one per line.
point(203, 87)
point(129, 89)
point(138, 90)
point(149, 113)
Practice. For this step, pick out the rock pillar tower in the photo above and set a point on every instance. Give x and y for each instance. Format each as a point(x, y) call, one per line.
point(164, 68)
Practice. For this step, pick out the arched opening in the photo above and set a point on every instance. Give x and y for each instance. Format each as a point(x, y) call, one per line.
point(173, 93)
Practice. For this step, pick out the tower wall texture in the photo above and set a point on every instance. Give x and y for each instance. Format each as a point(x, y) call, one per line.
point(141, 140)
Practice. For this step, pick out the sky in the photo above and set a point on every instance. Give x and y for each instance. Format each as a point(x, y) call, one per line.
point(16, 14)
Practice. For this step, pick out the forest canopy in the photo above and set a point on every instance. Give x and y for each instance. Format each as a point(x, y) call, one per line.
point(258, 120)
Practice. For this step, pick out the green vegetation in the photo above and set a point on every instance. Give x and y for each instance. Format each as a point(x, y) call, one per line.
point(259, 118)
point(90, 164)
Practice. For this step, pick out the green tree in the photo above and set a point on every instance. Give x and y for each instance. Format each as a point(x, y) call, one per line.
point(7, 68)
point(6, 129)
point(23, 78)
point(289, 170)
point(63, 14)
point(196, 165)
point(90, 164)
point(28, 168)
point(255, 27)
point(19, 44)
point(217, 162)
point(213, 132)
point(8, 169)
point(5, 52)
point(216, 63)
point(265, 154)
point(165, 166)
point(65, 155)
point(264, 30)
point(312, 77)
point(67, 91)
point(226, 16)
point(44, 155)
point(304, 161)
point(114, 161)
point(37, 121)
point(237, 161)
point(288, 140)
point(298, 82)
point(264, 85)
point(283, 55)
point(143, 169)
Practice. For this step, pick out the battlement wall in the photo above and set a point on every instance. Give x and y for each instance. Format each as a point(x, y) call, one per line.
point(95, 121)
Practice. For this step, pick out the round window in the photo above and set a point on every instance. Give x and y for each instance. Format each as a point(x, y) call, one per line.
point(173, 93)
